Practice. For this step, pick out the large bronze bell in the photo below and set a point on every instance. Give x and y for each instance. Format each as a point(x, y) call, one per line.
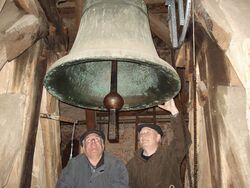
point(113, 31)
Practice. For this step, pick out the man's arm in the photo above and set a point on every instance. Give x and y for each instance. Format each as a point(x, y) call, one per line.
point(182, 137)
point(121, 176)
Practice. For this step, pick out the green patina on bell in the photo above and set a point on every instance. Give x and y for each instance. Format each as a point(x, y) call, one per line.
point(113, 30)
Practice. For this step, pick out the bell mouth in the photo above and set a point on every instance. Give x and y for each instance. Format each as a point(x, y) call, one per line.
point(85, 82)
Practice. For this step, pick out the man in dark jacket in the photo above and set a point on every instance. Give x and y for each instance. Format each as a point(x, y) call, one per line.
point(95, 168)
point(155, 165)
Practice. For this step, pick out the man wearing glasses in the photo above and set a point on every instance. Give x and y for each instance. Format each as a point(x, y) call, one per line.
point(95, 168)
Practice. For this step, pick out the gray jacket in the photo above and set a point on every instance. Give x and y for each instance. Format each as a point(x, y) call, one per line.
point(77, 174)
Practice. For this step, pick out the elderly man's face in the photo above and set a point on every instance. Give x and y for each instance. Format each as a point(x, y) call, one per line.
point(149, 138)
point(93, 145)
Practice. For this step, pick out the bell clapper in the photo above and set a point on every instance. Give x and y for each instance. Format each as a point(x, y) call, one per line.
point(113, 102)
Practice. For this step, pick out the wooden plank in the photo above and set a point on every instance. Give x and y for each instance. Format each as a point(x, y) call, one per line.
point(49, 7)
point(154, 1)
point(11, 128)
point(3, 55)
point(202, 93)
point(9, 15)
point(32, 87)
point(59, 39)
point(136, 113)
point(183, 55)
point(158, 9)
point(22, 35)
point(19, 31)
point(31, 7)
point(57, 118)
point(90, 119)
point(160, 29)
point(78, 11)
point(2, 2)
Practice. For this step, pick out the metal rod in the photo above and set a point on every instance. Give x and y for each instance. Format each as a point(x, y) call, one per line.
point(187, 18)
point(172, 24)
point(113, 126)
point(113, 86)
point(181, 12)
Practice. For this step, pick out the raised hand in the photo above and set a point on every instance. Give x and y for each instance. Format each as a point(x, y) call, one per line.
point(170, 106)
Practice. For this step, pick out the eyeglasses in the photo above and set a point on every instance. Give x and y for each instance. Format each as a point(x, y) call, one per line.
point(91, 139)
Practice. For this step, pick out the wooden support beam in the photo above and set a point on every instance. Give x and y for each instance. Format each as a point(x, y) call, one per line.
point(158, 9)
point(19, 32)
point(160, 29)
point(3, 55)
point(34, 90)
point(154, 1)
point(183, 55)
point(136, 113)
point(2, 2)
point(90, 119)
point(21, 35)
point(202, 92)
point(91, 116)
point(50, 9)
point(78, 11)
point(31, 7)
point(189, 69)
point(57, 118)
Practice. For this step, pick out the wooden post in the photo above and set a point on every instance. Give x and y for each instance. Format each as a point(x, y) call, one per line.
point(90, 119)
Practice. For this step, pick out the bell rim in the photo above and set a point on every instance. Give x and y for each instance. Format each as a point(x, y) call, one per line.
point(69, 61)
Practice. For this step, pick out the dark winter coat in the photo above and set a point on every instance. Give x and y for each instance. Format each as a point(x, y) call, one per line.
point(77, 174)
point(162, 169)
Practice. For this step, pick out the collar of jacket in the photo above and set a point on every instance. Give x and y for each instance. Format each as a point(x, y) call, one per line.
point(156, 154)
point(99, 164)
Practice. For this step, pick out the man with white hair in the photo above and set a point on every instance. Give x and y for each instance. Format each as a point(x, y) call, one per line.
point(155, 165)
point(95, 168)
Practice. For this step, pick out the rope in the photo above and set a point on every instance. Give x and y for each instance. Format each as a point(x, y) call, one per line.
point(195, 170)
point(72, 140)
point(186, 146)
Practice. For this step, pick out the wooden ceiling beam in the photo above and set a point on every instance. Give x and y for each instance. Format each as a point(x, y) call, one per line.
point(22, 35)
point(135, 113)
point(31, 7)
point(19, 31)
point(90, 119)
point(50, 9)
point(160, 29)
point(148, 2)
point(158, 9)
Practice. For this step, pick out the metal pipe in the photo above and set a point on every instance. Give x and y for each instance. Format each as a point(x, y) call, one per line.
point(181, 12)
point(187, 19)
